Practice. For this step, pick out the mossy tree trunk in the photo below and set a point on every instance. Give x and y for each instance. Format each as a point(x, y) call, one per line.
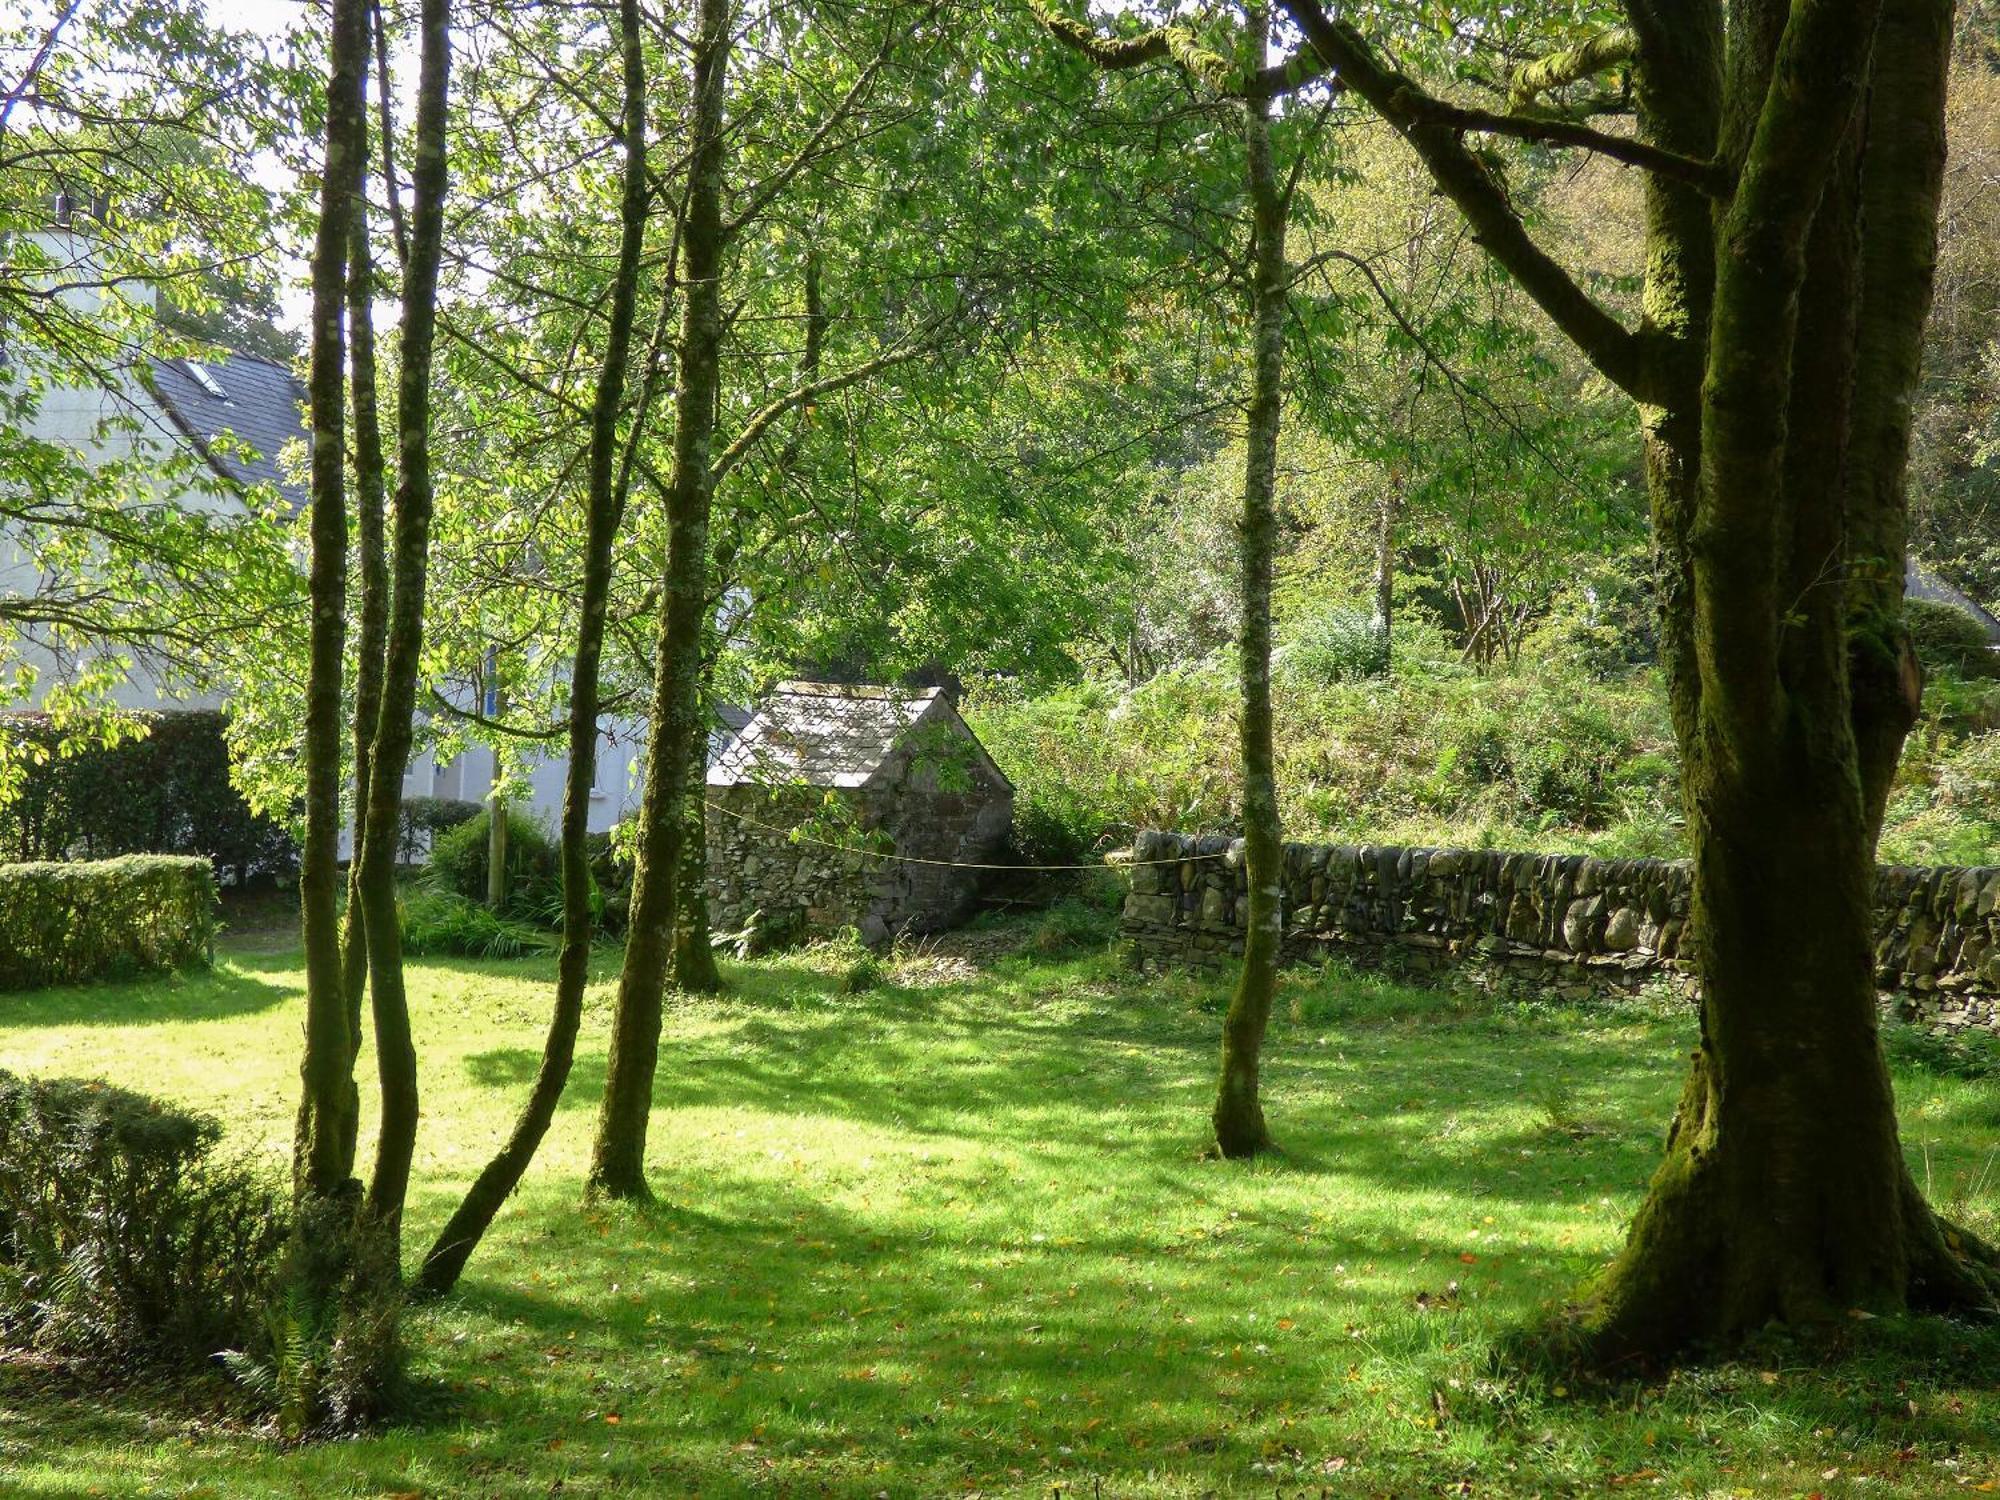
point(1785, 1193)
point(1794, 161)
point(1239, 1112)
point(605, 507)
point(323, 1153)
point(395, 1051)
point(372, 554)
point(618, 1157)
point(695, 969)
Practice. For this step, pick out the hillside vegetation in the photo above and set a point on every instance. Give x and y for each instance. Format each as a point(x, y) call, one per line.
point(1564, 750)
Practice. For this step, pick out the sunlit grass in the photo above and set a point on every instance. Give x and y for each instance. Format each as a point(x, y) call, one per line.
point(963, 1239)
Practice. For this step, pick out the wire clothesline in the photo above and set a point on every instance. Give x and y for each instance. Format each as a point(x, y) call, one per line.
point(794, 836)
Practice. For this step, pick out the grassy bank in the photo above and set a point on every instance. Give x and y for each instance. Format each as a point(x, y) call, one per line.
point(1542, 755)
point(954, 1235)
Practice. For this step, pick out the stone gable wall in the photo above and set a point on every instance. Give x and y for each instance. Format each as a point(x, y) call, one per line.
point(1567, 923)
point(759, 877)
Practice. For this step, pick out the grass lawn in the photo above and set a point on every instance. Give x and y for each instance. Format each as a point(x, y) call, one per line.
point(956, 1236)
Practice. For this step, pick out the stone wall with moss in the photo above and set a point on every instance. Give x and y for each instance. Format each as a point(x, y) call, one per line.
point(1563, 923)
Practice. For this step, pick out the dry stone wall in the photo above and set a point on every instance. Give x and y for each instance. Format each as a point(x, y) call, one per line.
point(1563, 923)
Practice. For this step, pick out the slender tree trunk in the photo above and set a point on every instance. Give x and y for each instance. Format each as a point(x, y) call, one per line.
point(695, 969)
point(395, 1052)
point(618, 1159)
point(604, 512)
point(1388, 509)
point(370, 510)
point(496, 816)
point(324, 1152)
point(1239, 1113)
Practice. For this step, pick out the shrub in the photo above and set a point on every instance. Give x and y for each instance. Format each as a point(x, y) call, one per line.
point(1605, 621)
point(120, 1233)
point(439, 923)
point(167, 792)
point(534, 871)
point(1336, 644)
point(66, 923)
point(328, 1361)
point(1946, 636)
point(424, 818)
point(611, 878)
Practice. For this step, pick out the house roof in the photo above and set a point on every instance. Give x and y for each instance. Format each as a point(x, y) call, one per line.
point(257, 402)
point(825, 734)
point(1920, 583)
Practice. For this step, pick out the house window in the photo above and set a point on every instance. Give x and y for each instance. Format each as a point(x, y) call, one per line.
point(205, 379)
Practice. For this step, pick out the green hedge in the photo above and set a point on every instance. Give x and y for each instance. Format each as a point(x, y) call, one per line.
point(102, 919)
point(167, 792)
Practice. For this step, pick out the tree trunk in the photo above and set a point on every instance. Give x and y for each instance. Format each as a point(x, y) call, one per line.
point(605, 512)
point(369, 512)
point(324, 1152)
point(395, 1052)
point(496, 810)
point(1387, 509)
point(1787, 279)
point(1239, 1113)
point(695, 969)
point(618, 1159)
point(1785, 1194)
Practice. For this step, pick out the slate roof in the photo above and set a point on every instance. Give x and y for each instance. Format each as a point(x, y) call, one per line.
point(823, 734)
point(1920, 583)
point(261, 407)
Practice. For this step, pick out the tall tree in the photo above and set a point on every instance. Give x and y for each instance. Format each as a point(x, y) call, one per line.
point(609, 484)
point(1793, 159)
point(1238, 1113)
point(618, 1164)
point(324, 1153)
point(700, 464)
point(389, 751)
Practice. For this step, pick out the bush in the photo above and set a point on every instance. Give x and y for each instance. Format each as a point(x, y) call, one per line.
point(424, 818)
point(1337, 644)
point(120, 1234)
point(1606, 621)
point(443, 924)
point(534, 870)
point(167, 792)
point(328, 1361)
point(611, 880)
point(67, 923)
point(1947, 637)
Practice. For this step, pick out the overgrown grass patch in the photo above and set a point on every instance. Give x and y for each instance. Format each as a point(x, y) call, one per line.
point(961, 1239)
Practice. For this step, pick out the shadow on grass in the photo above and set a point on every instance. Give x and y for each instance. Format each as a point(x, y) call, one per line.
point(234, 987)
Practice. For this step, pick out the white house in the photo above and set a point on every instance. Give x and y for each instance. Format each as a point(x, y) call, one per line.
point(244, 417)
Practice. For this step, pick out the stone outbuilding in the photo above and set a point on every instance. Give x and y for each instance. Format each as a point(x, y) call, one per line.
point(851, 806)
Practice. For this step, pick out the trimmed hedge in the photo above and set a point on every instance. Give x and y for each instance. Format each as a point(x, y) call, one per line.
point(121, 1235)
point(104, 919)
point(168, 792)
